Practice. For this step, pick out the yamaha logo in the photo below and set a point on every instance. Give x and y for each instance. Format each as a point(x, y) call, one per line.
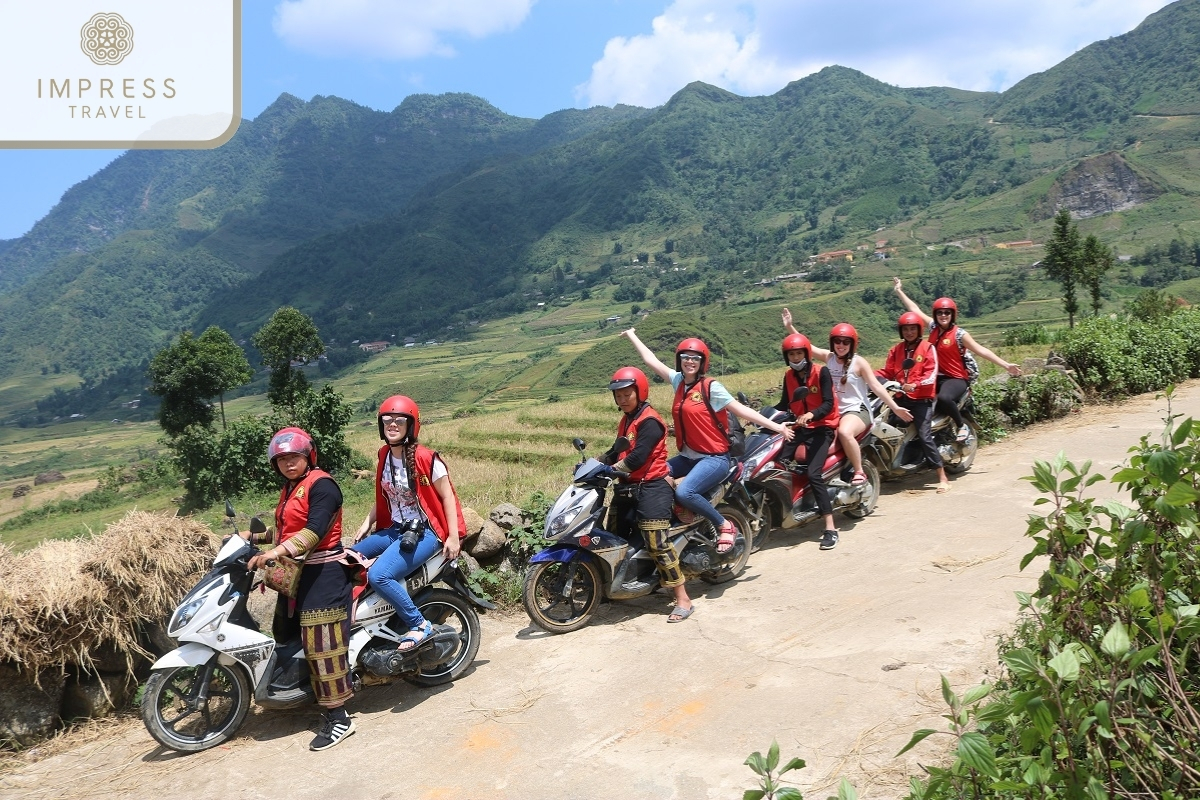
point(106, 39)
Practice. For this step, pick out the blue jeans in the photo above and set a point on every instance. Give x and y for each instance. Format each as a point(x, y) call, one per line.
point(392, 565)
point(699, 477)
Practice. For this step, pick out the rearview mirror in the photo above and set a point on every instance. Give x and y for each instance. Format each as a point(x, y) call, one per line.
point(579, 444)
point(800, 393)
point(907, 363)
point(621, 443)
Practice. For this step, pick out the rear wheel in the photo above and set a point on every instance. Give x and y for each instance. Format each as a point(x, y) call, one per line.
point(733, 570)
point(176, 716)
point(444, 607)
point(561, 596)
point(965, 451)
point(870, 493)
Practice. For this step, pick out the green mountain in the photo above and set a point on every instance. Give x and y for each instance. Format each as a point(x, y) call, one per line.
point(447, 210)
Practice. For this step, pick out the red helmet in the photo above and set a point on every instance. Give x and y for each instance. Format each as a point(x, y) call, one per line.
point(631, 376)
point(692, 345)
point(292, 440)
point(796, 341)
point(909, 318)
point(844, 330)
point(405, 407)
point(945, 302)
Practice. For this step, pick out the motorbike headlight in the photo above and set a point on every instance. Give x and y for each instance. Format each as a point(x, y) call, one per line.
point(183, 615)
point(213, 625)
point(750, 465)
point(562, 522)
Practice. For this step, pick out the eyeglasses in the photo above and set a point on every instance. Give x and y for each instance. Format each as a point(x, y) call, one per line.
point(397, 419)
point(943, 312)
point(840, 340)
point(690, 357)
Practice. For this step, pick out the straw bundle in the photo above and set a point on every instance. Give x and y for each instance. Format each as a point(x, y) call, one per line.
point(64, 600)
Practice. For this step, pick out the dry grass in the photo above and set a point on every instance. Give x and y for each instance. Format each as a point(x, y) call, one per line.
point(63, 600)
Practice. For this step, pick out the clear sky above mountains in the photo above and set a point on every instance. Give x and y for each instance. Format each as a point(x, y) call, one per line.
point(532, 57)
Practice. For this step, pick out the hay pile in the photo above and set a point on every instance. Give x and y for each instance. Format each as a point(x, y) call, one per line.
point(65, 600)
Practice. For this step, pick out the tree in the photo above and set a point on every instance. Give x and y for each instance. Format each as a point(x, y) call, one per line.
point(191, 371)
point(1063, 261)
point(1097, 259)
point(288, 337)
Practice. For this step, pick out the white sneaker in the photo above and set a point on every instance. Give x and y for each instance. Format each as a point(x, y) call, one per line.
point(964, 433)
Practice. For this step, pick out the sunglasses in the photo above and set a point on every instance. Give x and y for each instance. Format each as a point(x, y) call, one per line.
point(697, 359)
point(943, 312)
point(841, 340)
point(388, 419)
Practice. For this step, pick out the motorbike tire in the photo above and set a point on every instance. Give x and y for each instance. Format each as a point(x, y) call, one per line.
point(731, 571)
point(542, 595)
point(964, 463)
point(164, 710)
point(870, 494)
point(444, 607)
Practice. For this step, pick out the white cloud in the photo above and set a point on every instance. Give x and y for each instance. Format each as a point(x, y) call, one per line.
point(392, 29)
point(757, 46)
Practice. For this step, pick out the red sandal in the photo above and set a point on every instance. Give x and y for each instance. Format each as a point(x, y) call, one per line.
point(727, 538)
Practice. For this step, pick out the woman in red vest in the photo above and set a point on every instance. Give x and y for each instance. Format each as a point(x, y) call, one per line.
point(413, 493)
point(808, 393)
point(644, 491)
point(308, 525)
point(913, 363)
point(952, 343)
point(700, 412)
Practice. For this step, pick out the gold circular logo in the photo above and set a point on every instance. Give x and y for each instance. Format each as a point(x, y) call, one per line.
point(106, 39)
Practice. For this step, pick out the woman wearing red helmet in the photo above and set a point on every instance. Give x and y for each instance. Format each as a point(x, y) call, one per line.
point(951, 343)
point(853, 380)
point(413, 495)
point(700, 413)
point(308, 525)
point(641, 451)
point(913, 364)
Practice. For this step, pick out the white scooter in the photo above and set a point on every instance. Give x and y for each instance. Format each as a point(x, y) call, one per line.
point(198, 695)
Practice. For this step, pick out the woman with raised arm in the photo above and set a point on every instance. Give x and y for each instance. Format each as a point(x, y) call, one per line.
point(852, 377)
point(700, 412)
point(951, 343)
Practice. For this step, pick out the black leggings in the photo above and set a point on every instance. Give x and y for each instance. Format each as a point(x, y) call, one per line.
point(949, 392)
point(816, 443)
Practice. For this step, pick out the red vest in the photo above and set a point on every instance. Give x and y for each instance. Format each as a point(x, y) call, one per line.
point(791, 382)
point(656, 464)
point(291, 514)
point(923, 372)
point(429, 501)
point(949, 357)
point(694, 425)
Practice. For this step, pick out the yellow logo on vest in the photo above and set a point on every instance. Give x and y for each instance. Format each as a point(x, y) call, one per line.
point(696, 397)
point(423, 480)
point(300, 492)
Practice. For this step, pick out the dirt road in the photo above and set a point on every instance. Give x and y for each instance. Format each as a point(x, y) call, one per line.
point(836, 654)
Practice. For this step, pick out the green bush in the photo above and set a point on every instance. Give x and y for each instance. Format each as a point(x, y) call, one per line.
point(1101, 694)
point(1024, 401)
point(1027, 334)
point(1115, 357)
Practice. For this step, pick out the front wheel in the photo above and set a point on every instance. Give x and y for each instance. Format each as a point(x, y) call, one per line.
point(561, 596)
point(731, 571)
point(870, 493)
point(444, 607)
point(179, 719)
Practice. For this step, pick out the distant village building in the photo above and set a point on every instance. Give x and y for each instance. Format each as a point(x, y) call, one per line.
point(374, 347)
point(1014, 245)
point(833, 255)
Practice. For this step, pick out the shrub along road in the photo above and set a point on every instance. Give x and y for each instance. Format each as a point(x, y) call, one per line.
point(836, 654)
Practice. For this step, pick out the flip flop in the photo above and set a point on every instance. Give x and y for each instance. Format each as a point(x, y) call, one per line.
point(679, 614)
point(415, 637)
point(859, 479)
point(943, 488)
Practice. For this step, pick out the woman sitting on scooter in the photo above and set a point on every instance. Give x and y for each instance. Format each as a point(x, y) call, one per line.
point(308, 523)
point(808, 393)
point(643, 455)
point(700, 413)
point(913, 364)
point(416, 513)
point(852, 378)
point(951, 342)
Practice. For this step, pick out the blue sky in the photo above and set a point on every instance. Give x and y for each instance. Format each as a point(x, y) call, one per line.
point(532, 57)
